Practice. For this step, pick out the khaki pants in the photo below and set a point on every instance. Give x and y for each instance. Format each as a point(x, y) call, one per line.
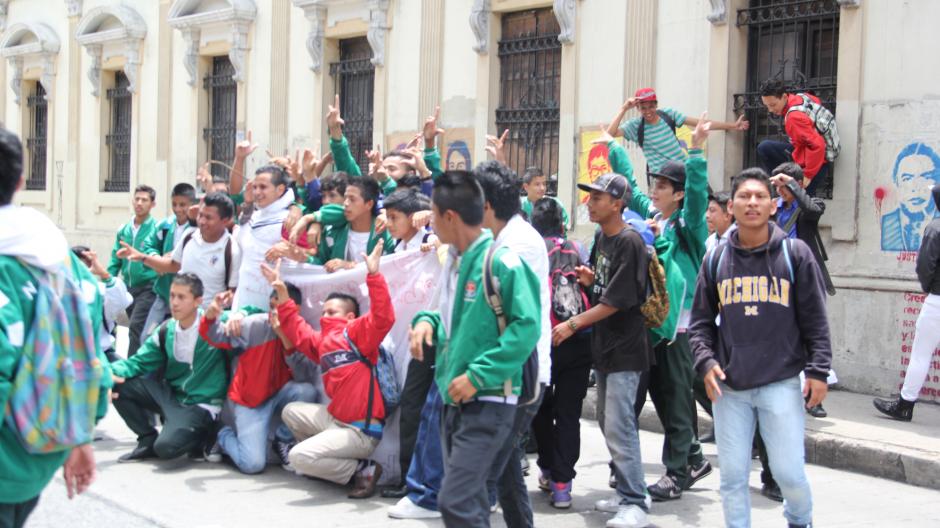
point(327, 448)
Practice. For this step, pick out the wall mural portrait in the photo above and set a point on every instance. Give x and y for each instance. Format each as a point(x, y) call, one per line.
point(916, 170)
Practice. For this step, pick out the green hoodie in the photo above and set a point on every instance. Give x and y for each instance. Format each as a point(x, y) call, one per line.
point(134, 273)
point(205, 381)
point(475, 346)
point(681, 246)
point(159, 243)
point(24, 475)
point(344, 161)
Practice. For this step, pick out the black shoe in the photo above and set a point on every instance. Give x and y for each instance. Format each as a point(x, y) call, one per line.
point(282, 450)
point(772, 491)
point(666, 489)
point(396, 492)
point(612, 480)
point(141, 452)
point(697, 473)
point(213, 453)
point(817, 411)
point(791, 525)
point(899, 409)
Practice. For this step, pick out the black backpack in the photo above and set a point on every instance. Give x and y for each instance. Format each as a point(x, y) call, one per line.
point(530, 369)
point(641, 134)
point(228, 254)
point(568, 299)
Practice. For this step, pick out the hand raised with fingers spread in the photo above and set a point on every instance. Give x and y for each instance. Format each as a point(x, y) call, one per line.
point(334, 121)
point(700, 134)
point(373, 259)
point(245, 148)
point(496, 146)
point(204, 177)
point(431, 130)
point(272, 275)
point(219, 302)
point(323, 163)
point(604, 138)
point(129, 252)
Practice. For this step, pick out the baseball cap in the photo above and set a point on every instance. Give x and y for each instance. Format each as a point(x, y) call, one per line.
point(610, 183)
point(673, 171)
point(645, 94)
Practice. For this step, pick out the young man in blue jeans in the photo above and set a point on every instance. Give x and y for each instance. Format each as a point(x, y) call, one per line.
point(617, 281)
point(770, 295)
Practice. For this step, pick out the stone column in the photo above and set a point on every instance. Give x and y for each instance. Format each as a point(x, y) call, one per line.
point(432, 51)
point(280, 66)
point(640, 60)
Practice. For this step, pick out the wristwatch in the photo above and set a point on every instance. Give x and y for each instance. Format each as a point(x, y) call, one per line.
point(572, 325)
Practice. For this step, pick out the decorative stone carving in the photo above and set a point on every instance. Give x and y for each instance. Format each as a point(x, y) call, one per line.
point(315, 12)
point(378, 30)
point(74, 7)
point(191, 16)
point(850, 3)
point(129, 36)
point(719, 14)
point(3, 13)
point(480, 25)
point(566, 11)
point(33, 41)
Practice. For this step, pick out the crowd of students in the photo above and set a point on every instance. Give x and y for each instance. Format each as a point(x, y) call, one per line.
point(683, 293)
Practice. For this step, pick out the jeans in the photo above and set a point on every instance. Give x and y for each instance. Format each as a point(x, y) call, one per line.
point(15, 515)
point(159, 311)
point(506, 475)
point(418, 381)
point(426, 470)
point(137, 314)
point(557, 425)
point(926, 339)
point(772, 153)
point(248, 449)
point(615, 398)
point(469, 432)
point(777, 408)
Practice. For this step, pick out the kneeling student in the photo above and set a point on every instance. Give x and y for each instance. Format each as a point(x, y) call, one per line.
point(192, 389)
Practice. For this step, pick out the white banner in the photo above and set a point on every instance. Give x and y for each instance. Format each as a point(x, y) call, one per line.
point(412, 277)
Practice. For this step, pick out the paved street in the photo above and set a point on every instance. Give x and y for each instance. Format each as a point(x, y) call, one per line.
point(202, 495)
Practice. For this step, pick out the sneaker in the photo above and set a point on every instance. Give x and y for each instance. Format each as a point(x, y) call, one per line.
point(817, 411)
point(561, 495)
point(772, 491)
point(612, 480)
point(214, 453)
point(697, 473)
point(282, 450)
point(545, 480)
point(667, 488)
point(494, 508)
point(365, 480)
point(631, 516)
point(395, 492)
point(406, 509)
point(899, 409)
point(141, 452)
point(611, 505)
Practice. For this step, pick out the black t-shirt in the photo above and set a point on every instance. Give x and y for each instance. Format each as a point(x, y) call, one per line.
point(620, 265)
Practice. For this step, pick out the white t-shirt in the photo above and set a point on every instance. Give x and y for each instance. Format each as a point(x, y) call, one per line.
point(356, 245)
point(184, 349)
point(207, 261)
point(412, 243)
point(180, 232)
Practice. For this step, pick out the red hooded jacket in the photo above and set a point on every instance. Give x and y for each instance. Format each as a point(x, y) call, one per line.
point(809, 147)
point(345, 380)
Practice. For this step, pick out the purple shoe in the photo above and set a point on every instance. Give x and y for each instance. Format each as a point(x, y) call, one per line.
point(561, 495)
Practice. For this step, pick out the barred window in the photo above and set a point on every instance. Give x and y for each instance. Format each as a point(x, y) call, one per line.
point(36, 141)
point(354, 81)
point(118, 138)
point(220, 134)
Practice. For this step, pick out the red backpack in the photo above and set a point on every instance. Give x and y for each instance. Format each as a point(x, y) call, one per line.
point(568, 299)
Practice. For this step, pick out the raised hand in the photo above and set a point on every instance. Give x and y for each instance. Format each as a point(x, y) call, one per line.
point(415, 159)
point(741, 124)
point(495, 146)
point(324, 161)
point(334, 121)
point(430, 130)
point(219, 302)
point(373, 259)
point(245, 148)
point(604, 138)
point(700, 134)
point(421, 219)
point(381, 222)
point(299, 228)
point(204, 177)
point(129, 252)
point(95, 265)
point(272, 275)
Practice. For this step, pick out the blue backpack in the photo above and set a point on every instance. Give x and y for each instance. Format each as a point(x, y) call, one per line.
point(386, 373)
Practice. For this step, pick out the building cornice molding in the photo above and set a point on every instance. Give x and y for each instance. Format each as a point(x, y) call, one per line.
point(186, 16)
point(45, 46)
point(130, 35)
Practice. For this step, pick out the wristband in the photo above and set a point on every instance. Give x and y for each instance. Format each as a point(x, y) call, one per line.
point(572, 325)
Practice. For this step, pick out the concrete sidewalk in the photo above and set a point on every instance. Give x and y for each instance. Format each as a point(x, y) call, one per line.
point(854, 437)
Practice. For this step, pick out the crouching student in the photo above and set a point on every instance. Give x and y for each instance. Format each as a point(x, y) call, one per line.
point(335, 441)
point(261, 386)
point(192, 389)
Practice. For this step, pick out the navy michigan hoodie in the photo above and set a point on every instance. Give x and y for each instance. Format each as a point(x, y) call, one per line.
point(773, 322)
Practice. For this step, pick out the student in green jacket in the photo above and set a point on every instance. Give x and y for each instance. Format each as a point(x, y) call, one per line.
point(343, 246)
point(138, 278)
point(31, 245)
point(677, 210)
point(478, 368)
point(192, 391)
point(167, 235)
point(535, 185)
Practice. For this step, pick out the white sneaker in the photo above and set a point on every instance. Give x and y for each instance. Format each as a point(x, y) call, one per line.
point(494, 508)
point(611, 505)
point(631, 516)
point(405, 509)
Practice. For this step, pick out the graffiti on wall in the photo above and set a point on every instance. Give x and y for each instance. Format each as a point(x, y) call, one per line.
point(915, 171)
point(592, 161)
point(910, 309)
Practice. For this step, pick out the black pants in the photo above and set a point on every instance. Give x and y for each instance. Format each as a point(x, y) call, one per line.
point(772, 153)
point(14, 515)
point(701, 396)
point(670, 386)
point(137, 315)
point(557, 425)
point(185, 427)
point(418, 381)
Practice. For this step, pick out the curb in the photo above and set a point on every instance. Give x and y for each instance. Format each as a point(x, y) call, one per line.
point(902, 464)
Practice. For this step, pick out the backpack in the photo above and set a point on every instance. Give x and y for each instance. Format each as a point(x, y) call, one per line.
point(824, 122)
point(227, 258)
point(531, 388)
point(567, 297)
point(714, 264)
point(386, 373)
point(655, 308)
point(641, 129)
point(54, 397)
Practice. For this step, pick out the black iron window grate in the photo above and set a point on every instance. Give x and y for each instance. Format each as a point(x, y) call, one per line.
point(529, 85)
point(798, 43)
point(354, 81)
point(37, 140)
point(223, 107)
point(119, 137)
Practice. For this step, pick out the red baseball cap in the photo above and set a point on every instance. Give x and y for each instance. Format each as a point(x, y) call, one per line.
point(645, 94)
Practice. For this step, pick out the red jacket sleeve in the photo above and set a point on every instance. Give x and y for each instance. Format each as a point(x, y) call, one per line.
point(809, 147)
point(369, 330)
point(295, 328)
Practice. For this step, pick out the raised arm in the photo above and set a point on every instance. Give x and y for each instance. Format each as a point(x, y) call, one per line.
point(343, 159)
point(620, 163)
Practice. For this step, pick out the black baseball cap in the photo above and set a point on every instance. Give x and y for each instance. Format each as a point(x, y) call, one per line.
point(673, 171)
point(610, 183)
